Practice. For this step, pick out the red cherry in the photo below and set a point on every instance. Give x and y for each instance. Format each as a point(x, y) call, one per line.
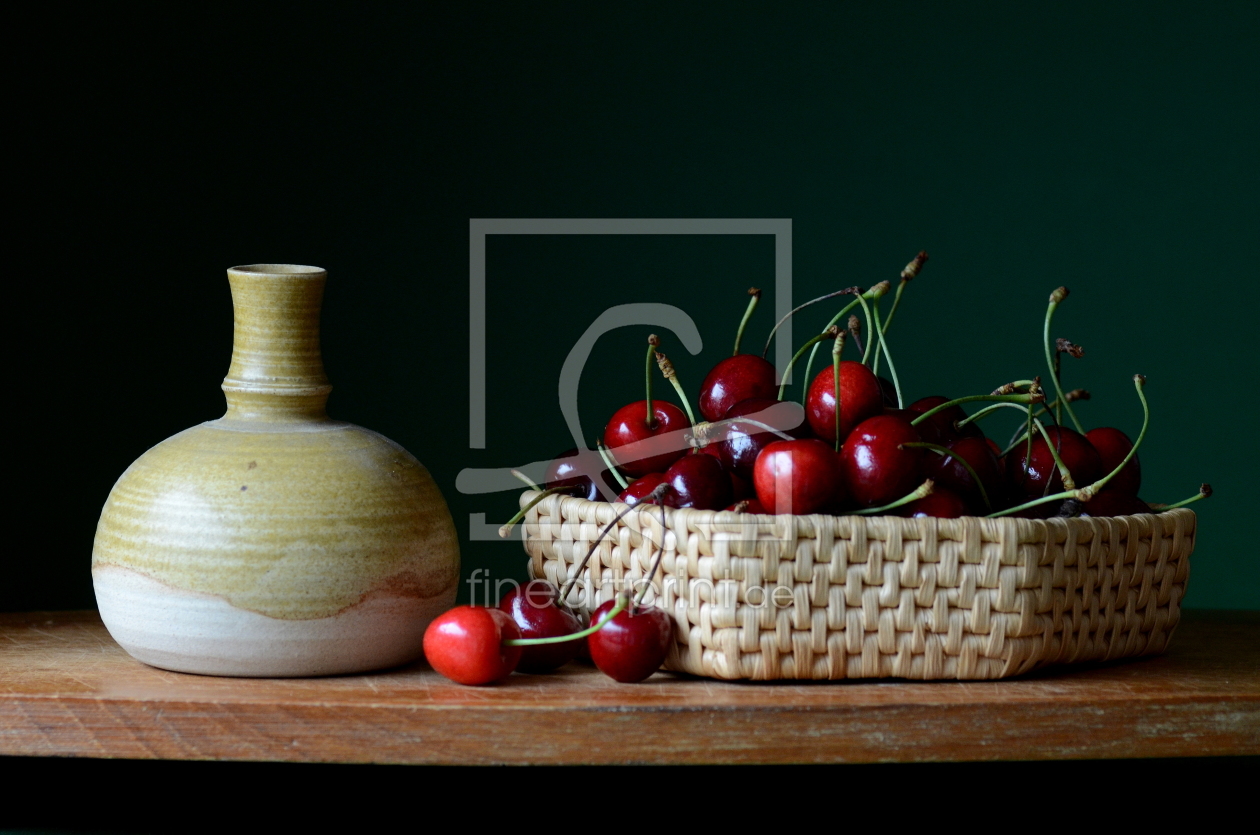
point(734, 379)
point(797, 476)
point(1037, 475)
point(629, 425)
point(465, 644)
point(583, 471)
point(940, 504)
point(739, 442)
point(948, 472)
point(698, 481)
point(630, 648)
point(1112, 446)
point(538, 613)
point(860, 398)
point(877, 468)
point(639, 490)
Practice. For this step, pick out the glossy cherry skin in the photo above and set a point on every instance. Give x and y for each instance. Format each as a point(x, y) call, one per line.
point(1037, 475)
point(1112, 446)
point(947, 472)
point(639, 490)
point(536, 609)
point(941, 504)
point(465, 644)
point(698, 481)
point(860, 398)
point(877, 468)
point(798, 477)
point(581, 471)
point(631, 648)
point(629, 425)
point(739, 442)
point(734, 379)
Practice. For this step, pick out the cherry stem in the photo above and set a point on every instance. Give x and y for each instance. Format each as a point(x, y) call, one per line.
point(949, 453)
point(634, 607)
point(883, 348)
point(809, 366)
point(511, 523)
point(910, 271)
point(1034, 395)
point(704, 430)
point(1205, 492)
point(1084, 494)
point(1069, 484)
point(830, 333)
point(612, 467)
point(656, 495)
point(874, 331)
point(618, 608)
point(743, 323)
point(835, 370)
point(855, 330)
point(846, 291)
point(921, 492)
point(528, 481)
point(667, 368)
point(653, 341)
point(1055, 298)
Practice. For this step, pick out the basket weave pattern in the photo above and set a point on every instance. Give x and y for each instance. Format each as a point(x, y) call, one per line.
point(827, 597)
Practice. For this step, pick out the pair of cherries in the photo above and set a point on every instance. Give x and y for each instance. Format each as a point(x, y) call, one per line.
point(534, 632)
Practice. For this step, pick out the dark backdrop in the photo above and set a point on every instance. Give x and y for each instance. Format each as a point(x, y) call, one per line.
point(1109, 148)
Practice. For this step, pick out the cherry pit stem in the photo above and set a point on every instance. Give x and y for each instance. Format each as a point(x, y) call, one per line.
point(1056, 298)
point(653, 342)
point(836, 350)
point(743, 323)
point(667, 369)
point(1205, 492)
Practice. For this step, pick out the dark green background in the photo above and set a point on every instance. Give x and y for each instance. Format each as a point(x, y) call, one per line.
point(1112, 149)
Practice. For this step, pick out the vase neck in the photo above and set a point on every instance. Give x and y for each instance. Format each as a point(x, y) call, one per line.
point(277, 372)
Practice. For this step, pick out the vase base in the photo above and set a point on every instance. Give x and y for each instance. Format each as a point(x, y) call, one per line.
point(192, 632)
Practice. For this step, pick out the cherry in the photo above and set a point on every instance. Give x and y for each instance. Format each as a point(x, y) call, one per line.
point(948, 472)
point(629, 425)
point(860, 398)
point(740, 442)
point(631, 646)
point(580, 470)
point(734, 379)
point(877, 468)
point(465, 644)
point(1112, 446)
point(801, 476)
point(640, 490)
point(1036, 475)
point(538, 613)
point(941, 504)
point(698, 481)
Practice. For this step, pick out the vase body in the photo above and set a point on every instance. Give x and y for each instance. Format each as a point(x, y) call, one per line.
point(274, 541)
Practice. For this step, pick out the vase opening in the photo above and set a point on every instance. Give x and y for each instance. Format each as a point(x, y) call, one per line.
point(278, 269)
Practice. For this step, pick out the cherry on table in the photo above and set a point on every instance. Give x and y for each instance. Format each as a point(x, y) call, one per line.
point(465, 644)
point(538, 613)
point(631, 647)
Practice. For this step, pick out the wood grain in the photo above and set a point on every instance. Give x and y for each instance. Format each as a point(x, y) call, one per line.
point(66, 689)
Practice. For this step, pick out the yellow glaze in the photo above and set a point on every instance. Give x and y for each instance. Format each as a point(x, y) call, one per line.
point(274, 507)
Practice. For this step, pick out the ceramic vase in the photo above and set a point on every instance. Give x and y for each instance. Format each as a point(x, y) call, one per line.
point(274, 541)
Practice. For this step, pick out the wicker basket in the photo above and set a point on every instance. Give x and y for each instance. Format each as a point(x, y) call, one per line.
point(827, 597)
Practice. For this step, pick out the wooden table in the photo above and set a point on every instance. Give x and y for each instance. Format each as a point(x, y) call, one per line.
point(66, 689)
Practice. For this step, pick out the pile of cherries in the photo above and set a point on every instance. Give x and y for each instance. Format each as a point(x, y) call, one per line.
point(850, 446)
